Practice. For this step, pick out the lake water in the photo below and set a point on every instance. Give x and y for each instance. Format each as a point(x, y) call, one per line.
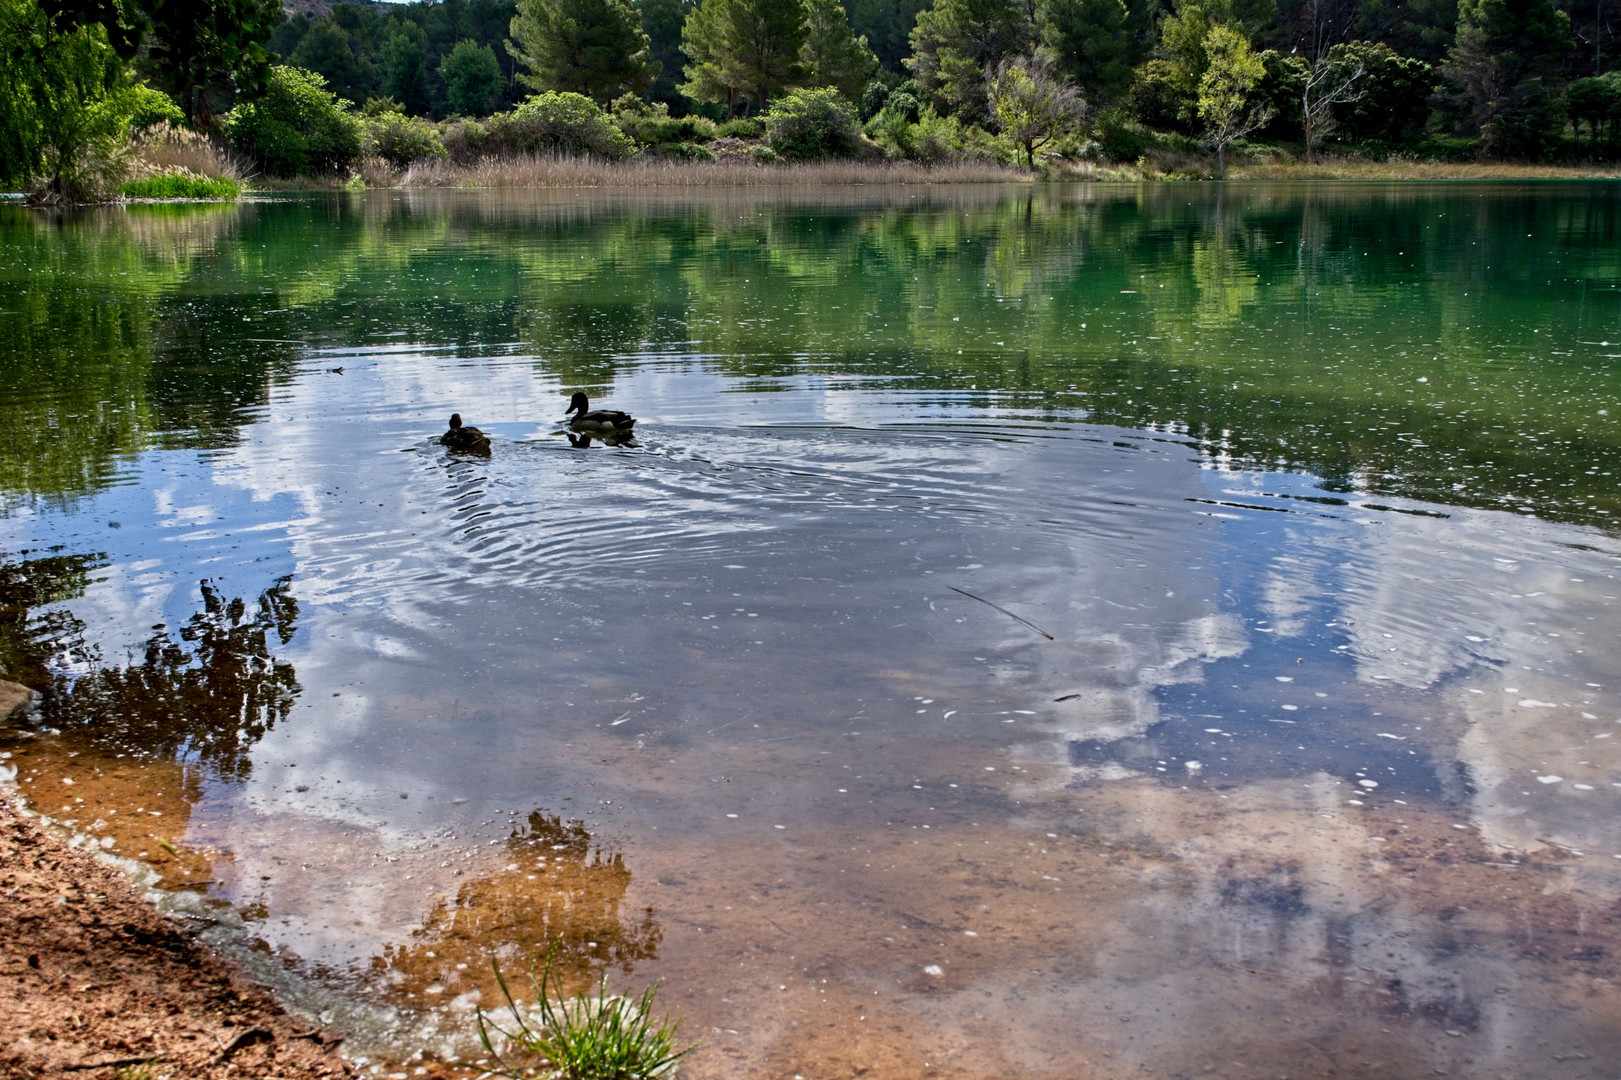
point(1090, 631)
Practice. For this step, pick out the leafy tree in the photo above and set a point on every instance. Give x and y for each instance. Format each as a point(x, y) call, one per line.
point(1503, 63)
point(747, 48)
point(956, 42)
point(1597, 102)
point(297, 126)
point(65, 105)
point(592, 47)
point(887, 26)
point(1033, 104)
point(1230, 75)
point(1093, 43)
point(1395, 102)
point(832, 53)
point(472, 77)
point(1183, 36)
point(1419, 28)
point(806, 124)
point(556, 122)
point(662, 21)
point(328, 50)
point(402, 63)
point(196, 45)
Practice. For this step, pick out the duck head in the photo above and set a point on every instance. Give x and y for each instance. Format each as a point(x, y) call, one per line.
point(455, 420)
point(578, 402)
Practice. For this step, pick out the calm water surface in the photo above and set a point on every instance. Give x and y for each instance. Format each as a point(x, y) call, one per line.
point(1094, 632)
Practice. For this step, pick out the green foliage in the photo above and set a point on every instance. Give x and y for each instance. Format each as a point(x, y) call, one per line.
point(297, 127)
point(662, 21)
point(743, 48)
point(744, 127)
point(805, 125)
point(1118, 140)
point(1283, 81)
point(591, 47)
point(1033, 105)
point(194, 46)
point(402, 65)
point(1158, 99)
point(652, 125)
point(553, 122)
point(1597, 103)
point(331, 52)
point(956, 42)
point(832, 54)
point(1395, 89)
point(65, 106)
point(1092, 44)
point(398, 139)
point(472, 77)
point(1231, 73)
point(581, 1038)
point(872, 99)
point(1503, 64)
point(149, 107)
point(182, 185)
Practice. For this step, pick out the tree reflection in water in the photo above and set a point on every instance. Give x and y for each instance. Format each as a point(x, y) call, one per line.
point(555, 889)
point(206, 697)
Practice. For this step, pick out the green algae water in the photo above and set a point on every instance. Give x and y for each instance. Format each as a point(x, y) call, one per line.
point(1045, 632)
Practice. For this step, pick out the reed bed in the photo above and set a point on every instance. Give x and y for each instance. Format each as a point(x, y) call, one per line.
point(1353, 169)
point(166, 148)
point(549, 171)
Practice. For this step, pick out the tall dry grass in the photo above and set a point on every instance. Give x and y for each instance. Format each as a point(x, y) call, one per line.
point(549, 171)
point(164, 148)
point(1355, 169)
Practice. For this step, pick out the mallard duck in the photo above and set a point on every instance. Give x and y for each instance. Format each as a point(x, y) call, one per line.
point(598, 422)
point(459, 437)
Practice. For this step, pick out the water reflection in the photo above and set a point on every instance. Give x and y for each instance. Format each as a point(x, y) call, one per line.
point(206, 697)
point(561, 893)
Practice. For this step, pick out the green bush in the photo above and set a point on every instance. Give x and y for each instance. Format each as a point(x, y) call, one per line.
point(652, 125)
point(744, 127)
point(556, 122)
point(804, 125)
point(149, 107)
point(296, 127)
point(1157, 101)
point(1119, 141)
point(688, 151)
point(763, 155)
point(464, 140)
point(399, 139)
point(182, 185)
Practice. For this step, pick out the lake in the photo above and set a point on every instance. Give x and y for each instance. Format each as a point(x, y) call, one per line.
point(1073, 631)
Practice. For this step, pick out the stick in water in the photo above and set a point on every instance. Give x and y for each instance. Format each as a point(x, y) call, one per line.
point(1004, 611)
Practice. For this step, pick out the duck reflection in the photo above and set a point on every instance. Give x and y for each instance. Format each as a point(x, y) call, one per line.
point(556, 888)
point(583, 442)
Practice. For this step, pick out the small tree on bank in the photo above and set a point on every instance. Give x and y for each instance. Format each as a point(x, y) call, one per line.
point(1231, 73)
point(1032, 105)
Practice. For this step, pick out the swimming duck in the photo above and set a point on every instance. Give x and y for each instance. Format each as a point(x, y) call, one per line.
point(597, 421)
point(459, 437)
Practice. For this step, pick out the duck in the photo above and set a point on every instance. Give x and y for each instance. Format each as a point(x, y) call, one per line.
point(599, 422)
point(460, 437)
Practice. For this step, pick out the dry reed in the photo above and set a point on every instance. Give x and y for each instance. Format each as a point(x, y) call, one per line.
point(165, 148)
point(1356, 169)
point(549, 171)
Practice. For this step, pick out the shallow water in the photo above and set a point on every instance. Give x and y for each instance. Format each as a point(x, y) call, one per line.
point(1077, 633)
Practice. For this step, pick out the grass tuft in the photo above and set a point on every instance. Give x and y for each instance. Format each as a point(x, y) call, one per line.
point(601, 1037)
point(181, 185)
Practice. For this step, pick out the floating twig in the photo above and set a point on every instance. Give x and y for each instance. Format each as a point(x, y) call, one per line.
point(1004, 611)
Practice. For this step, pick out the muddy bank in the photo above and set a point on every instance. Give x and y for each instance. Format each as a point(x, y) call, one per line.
point(96, 980)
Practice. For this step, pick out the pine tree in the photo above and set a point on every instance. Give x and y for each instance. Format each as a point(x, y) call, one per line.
point(748, 48)
point(1093, 43)
point(591, 47)
point(1504, 64)
point(832, 54)
point(957, 41)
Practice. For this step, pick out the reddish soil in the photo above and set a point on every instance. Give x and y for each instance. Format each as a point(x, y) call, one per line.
point(95, 983)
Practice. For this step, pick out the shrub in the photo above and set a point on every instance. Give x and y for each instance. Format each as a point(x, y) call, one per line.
point(804, 125)
point(464, 141)
point(744, 127)
point(149, 107)
point(1157, 100)
point(872, 99)
point(1119, 141)
point(296, 127)
point(181, 184)
point(652, 125)
point(399, 139)
point(764, 155)
point(556, 122)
